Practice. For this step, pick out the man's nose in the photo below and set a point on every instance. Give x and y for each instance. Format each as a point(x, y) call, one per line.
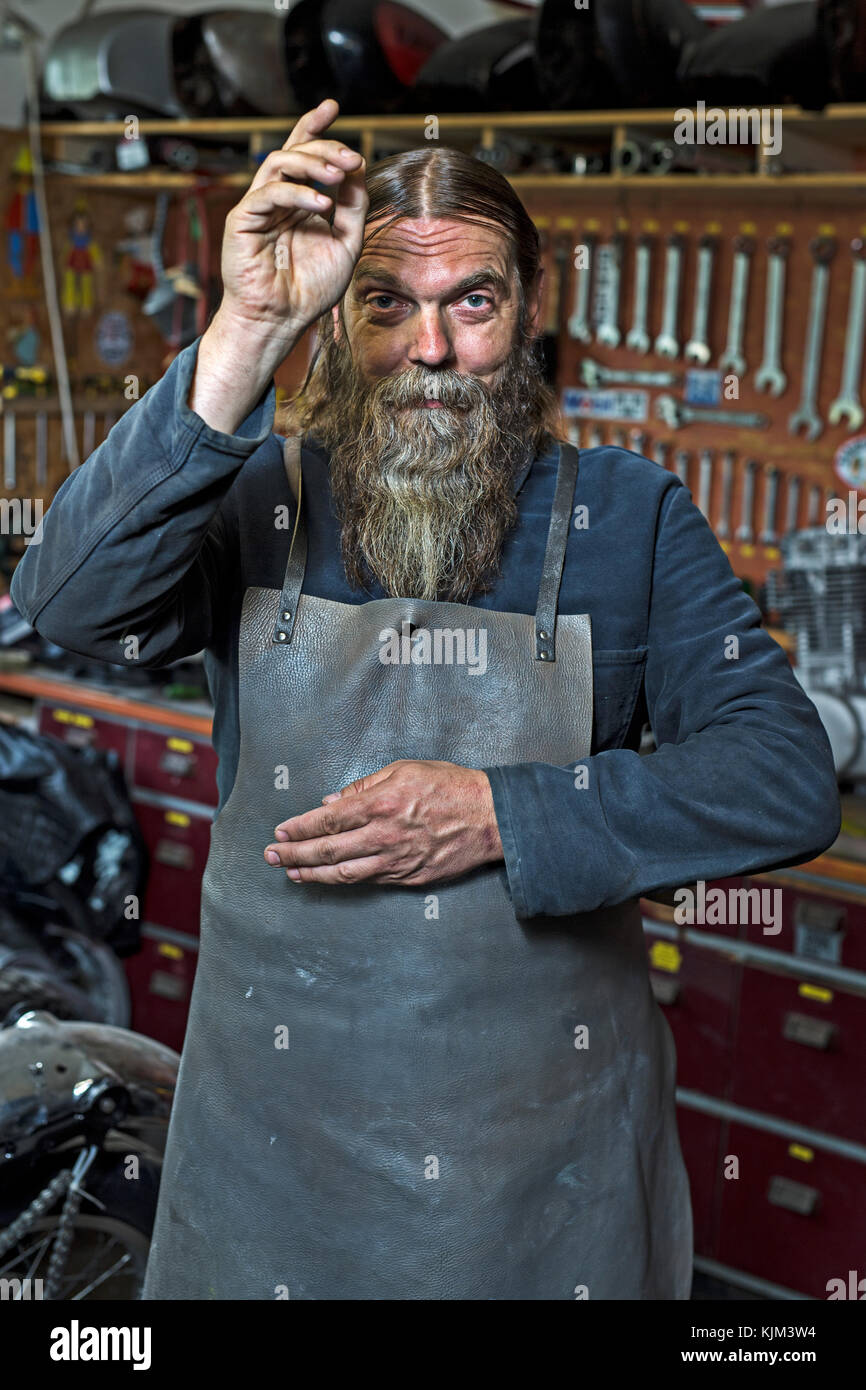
point(429, 344)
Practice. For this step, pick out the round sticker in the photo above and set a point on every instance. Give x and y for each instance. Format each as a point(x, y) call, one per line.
point(114, 339)
point(850, 462)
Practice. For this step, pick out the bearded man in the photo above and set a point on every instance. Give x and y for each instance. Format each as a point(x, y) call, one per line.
point(423, 1059)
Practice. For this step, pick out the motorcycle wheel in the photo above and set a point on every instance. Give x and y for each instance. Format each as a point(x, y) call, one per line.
point(108, 1255)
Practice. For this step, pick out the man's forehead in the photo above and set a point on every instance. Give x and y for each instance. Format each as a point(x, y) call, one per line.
point(434, 245)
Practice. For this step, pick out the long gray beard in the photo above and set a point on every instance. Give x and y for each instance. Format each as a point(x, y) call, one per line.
point(425, 495)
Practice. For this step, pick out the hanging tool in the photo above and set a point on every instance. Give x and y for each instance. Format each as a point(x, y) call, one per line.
point(697, 349)
point(579, 326)
point(667, 344)
point(723, 526)
point(732, 359)
point(806, 415)
point(676, 414)
point(770, 376)
point(637, 338)
point(847, 404)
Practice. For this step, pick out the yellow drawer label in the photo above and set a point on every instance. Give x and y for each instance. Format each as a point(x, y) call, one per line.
point(664, 955)
point(823, 996)
point(177, 818)
point(68, 716)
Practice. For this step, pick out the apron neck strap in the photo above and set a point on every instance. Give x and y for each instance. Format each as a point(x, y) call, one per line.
point(297, 561)
point(551, 573)
point(554, 555)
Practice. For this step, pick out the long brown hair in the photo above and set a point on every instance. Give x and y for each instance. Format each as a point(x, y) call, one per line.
point(440, 181)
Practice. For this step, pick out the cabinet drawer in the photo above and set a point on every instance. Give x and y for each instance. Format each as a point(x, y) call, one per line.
point(795, 1215)
point(160, 979)
point(178, 844)
point(697, 991)
point(81, 729)
point(800, 1053)
point(817, 927)
point(180, 766)
point(701, 1144)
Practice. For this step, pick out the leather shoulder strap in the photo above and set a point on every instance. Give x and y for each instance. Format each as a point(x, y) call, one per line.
point(296, 563)
point(554, 555)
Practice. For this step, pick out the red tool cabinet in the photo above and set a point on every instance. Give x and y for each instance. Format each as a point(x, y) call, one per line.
point(770, 1031)
point(770, 1027)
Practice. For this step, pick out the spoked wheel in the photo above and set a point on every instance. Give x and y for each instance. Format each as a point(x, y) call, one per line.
point(106, 1259)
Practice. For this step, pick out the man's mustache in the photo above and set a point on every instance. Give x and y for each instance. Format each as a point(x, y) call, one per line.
point(417, 385)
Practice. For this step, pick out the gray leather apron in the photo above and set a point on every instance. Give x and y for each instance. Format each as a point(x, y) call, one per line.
point(410, 1093)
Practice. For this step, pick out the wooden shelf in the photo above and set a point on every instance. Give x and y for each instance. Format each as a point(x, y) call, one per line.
point(582, 121)
point(844, 126)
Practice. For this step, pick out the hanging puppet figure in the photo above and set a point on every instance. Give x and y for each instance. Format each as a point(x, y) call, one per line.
point(83, 257)
point(22, 220)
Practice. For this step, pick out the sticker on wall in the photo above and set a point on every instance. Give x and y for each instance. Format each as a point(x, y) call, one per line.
point(607, 404)
point(114, 338)
point(703, 387)
point(850, 462)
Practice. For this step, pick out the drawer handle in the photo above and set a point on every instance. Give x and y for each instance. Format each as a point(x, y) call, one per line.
point(811, 1032)
point(177, 764)
point(666, 988)
point(793, 1196)
point(176, 856)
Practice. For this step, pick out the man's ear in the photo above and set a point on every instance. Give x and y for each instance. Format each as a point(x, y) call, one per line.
point(533, 304)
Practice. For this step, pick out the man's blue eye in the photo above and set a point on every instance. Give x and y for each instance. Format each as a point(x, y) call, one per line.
point(475, 295)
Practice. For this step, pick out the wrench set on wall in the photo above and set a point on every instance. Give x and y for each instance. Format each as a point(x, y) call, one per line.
point(760, 329)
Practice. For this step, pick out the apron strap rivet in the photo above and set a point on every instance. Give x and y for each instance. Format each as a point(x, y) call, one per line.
point(286, 615)
point(543, 636)
point(281, 636)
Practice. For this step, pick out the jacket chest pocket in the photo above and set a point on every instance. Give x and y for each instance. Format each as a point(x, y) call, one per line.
point(617, 676)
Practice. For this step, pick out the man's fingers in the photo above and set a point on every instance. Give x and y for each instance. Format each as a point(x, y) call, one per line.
point(327, 849)
point(264, 201)
point(313, 122)
point(306, 161)
point(349, 872)
point(346, 814)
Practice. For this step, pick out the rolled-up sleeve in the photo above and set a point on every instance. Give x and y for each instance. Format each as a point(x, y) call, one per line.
point(741, 780)
point(135, 542)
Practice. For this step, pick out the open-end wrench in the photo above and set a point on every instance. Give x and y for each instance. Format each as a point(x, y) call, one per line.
point(847, 405)
point(579, 325)
point(667, 343)
point(771, 495)
point(617, 438)
point(681, 465)
point(744, 530)
point(769, 376)
point(638, 440)
point(661, 449)
point(607, 330)
point(594, 374)
point(697, 349)
point(596, 437)
point(792, 503)
point(638, 338)
point(41, 449)
point(676, 414)
point(732, 359)
point(723, 527)
point(806, 416)
point(814, 505)
point(705, 480)
point(9, 470)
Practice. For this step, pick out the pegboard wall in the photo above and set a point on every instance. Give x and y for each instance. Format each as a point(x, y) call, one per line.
point(754, 481)
point(102, 250)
